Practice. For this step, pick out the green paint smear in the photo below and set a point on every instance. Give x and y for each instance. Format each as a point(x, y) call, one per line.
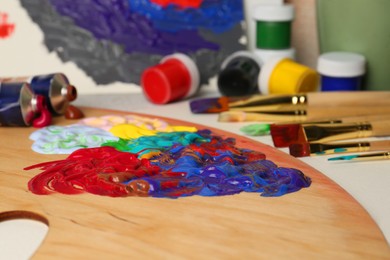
point(159, 142)
point(256, 129)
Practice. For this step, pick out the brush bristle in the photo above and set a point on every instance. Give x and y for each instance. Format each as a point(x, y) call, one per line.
point(300, 149)
point(209, 105)
point(284, 135)
point(315, 132)
point(232, 116)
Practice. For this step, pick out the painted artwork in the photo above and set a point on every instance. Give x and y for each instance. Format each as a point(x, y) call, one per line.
point(115, 40)
point(6, 28)
point(120, 156)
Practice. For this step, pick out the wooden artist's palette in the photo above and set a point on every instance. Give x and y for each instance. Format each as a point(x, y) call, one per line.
point(322, 220)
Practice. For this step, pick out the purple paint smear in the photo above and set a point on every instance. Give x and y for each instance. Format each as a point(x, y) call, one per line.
point(113, 20)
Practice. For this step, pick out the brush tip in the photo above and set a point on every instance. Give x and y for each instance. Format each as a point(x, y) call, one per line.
point(209, 105)
point(300, 149)
point(230, 116)
point(284, 135)
point(256, 129)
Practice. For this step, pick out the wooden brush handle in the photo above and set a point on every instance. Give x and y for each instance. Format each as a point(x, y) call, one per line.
point(346, 98)
point(367, 118)
point(380, 145)
point(313, 114)
point(316, 113)
point(380, 128)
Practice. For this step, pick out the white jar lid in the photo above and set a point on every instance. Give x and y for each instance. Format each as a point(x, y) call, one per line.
point(341, 64)
point(273, 13)
point(243, 53)
point(265, 55)
point(265, 74)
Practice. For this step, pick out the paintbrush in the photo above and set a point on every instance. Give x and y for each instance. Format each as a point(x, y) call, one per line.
point(304, 149)
point(261, 129)
point(348, 119)
point(302, 114)
point(284, 135)
point(279, 130)
point(322, 99)
point(363, 157)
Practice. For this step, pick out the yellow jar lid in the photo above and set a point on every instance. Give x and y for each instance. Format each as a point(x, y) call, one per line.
point(284, 76)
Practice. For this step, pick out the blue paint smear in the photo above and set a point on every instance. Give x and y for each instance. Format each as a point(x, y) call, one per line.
point(141, 26)
point(340, 150)
point(345, 157)
point(209, 165)
point(215, 15)
point(215, 177)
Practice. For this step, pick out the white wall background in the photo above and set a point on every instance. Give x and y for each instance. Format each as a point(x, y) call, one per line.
point(24, 54)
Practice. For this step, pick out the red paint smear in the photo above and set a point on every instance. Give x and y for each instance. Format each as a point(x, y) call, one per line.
point(6, 29)
point(108, 172)
point(180, 3)
point(102, 171)
point(215, 146)
point(94, 170)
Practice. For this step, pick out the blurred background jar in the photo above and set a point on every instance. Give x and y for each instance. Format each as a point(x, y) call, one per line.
point(360, 26)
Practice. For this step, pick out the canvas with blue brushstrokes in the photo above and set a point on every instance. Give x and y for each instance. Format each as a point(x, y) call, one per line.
point(115, 40)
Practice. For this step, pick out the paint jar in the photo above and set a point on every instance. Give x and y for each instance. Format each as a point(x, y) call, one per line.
point(284, 76)
point(342, 71)
point(273, 26)
point(250, 23)
point(358, 26)
point(176, 77)
point(54, 87)
point(20, 106)
point(239, 73)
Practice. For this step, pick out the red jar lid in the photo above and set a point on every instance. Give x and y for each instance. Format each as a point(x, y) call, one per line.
point(174, 78)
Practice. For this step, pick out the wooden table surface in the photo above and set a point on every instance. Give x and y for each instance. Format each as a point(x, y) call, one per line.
point(320, 221)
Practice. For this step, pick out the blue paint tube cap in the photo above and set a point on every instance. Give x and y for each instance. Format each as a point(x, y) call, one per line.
point(341, 71)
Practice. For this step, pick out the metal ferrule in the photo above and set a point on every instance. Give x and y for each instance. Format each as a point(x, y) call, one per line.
point(324, 149)
point(334, 132)
point(261, 100)
point(278, 116)
point(269, 108)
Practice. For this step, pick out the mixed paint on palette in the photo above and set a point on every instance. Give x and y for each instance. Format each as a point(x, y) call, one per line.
point(122, 156)
point(116, 40)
